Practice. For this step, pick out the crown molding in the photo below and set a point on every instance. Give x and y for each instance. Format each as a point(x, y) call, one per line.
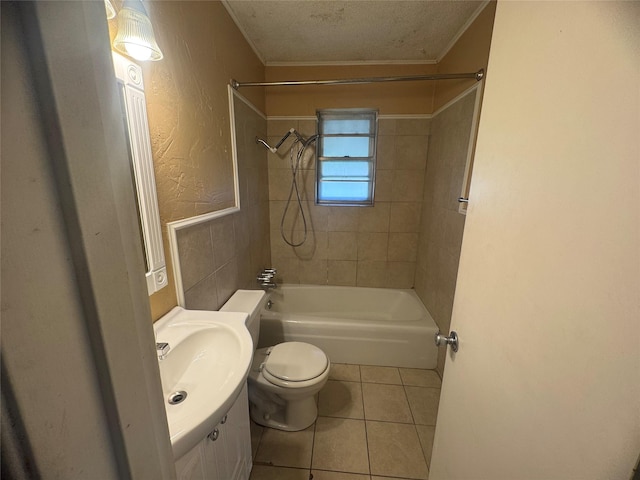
point(244, 33)
point(463, 29)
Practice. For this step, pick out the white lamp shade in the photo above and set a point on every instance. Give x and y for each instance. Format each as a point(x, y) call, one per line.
point(135, 36)
point(111, 12)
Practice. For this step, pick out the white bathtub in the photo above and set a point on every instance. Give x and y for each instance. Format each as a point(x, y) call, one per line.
point(368, 326)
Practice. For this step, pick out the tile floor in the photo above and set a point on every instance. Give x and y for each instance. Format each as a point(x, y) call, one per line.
point(374, 423)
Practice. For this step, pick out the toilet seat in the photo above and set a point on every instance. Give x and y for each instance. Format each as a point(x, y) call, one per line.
point(294, 364)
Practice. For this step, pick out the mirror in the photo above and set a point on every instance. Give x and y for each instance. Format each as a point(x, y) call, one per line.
point(134, 108)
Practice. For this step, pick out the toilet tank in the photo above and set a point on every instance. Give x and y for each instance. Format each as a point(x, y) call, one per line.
point(250, 302)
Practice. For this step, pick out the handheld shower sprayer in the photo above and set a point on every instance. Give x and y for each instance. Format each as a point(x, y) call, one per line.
point(296, 153)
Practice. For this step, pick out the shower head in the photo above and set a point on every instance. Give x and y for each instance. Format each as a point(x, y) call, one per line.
point(272, 149)
point(299, 138)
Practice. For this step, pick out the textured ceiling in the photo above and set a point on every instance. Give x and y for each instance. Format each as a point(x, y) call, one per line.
point(350, 31)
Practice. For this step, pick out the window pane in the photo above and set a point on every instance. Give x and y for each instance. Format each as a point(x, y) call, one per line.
point(345, 169)
point(346, 125)
point(329, 191)
point(345, 147)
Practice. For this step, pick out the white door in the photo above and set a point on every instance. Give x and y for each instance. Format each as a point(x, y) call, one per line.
point(546, 383)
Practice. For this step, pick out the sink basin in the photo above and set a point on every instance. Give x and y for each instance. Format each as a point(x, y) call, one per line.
point(204, 371)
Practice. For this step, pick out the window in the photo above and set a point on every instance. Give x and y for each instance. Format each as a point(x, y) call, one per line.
point(346, 157)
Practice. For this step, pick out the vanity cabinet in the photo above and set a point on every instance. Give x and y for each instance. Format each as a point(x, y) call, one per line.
point(225, 455)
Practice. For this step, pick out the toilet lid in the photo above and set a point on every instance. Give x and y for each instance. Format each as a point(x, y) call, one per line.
point(296, 361)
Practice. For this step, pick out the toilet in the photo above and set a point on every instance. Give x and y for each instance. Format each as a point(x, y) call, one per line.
point(284, 378)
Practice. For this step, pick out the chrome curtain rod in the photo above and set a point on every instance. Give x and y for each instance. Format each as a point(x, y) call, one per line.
point(479, 75)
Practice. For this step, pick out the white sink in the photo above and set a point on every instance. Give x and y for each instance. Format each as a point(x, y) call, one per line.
point(209, 359)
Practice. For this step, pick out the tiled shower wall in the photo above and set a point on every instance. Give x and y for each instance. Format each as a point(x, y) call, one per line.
point(225, 254)
point(362, 246)
point(442, 225)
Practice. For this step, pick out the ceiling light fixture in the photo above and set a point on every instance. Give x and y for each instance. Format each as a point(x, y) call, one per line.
point(135, 36)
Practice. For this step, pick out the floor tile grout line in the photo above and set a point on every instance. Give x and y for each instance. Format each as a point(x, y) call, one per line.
point(366, 433)
point(313, 443)
point(259, 441)
point(424, 454)
point(377, 420)
point(406, 397)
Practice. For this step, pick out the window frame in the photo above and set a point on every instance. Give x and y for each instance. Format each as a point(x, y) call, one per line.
point(347, 114)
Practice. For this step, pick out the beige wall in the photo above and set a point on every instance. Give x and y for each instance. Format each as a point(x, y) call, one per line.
point(225, 254)
point(389, 98)
point(469, 54)
point(188, 111)
point(364, 246)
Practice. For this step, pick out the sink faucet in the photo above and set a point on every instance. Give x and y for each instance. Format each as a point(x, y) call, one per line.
point(162, 348)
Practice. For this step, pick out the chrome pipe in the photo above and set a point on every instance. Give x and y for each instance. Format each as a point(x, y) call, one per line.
point(479, 75)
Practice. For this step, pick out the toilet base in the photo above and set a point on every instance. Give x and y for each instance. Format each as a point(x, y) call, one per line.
point(293, 416)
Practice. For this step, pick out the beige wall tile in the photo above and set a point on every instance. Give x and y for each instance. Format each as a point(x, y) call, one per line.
point(318, 215)
point(372, 246)
point(389, 375)
point(420, 284)
point(411, 152)
point(224, 241)
point(342, 246)
point(400, 274)
point(340, 445)
point(407, 186)
point(405, 217)
point(279, 249)
point(403, 247)
point(286, 449)
point(313, 272)
point(386, 126)
point(374, 219)
point(314, 248)
point(279, 184)
point(246, 274)
point(227, 280)
point(371, 274)
point(402, 147)
point(385, 153)
point(279, 160)
point(387, 403)
point(203, 295)
point(342, 399)
point(278, 128)
point(413, 126)
point(384, 182)
point(241, 230)
point(343, 219)
point(196, 254)
point(288, 269)
point(394, 450)
point(424, 404)
point(341, 272)
point(307, 128)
